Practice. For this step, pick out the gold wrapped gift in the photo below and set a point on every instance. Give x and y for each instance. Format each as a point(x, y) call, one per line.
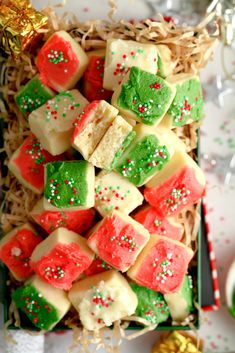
point(177, 342)
point(19, 25)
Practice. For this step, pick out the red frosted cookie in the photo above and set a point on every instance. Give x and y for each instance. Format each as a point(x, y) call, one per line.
point(93, 77)
point(98, 266)
point(179, 184)
point(118, 240)
point(78, 221)
point(61, 258)
point(149, 217)
point(27, 163)
point(61, 61)
point(16, 248)
point(162, 265)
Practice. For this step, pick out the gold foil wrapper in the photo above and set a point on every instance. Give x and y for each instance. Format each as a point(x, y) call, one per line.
point(177, 342)
point(19, 25)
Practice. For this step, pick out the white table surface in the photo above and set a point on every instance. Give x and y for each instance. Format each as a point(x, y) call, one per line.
point(218, 137)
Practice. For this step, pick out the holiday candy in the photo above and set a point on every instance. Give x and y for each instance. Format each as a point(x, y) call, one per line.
point(93, 77)
point(179, 184)
point(28, 161)
point(43, 304)
point(61, 61)
point(180, 304)
point(102, 299)
point(118, 240)
point(122, 55)
point(78, 221)
point(112, 145)
point(165, 63)
point(16, 248)
point(52, 123)
point(148, 153)
point(33, 95)
point(187, 105)
point(151, 305)
point(162, 265)
point(91, 125)
point(113, 192)
point(143, 96)
point(178, 342)
point(69, 185)
point(149, 217)
point(61, 258)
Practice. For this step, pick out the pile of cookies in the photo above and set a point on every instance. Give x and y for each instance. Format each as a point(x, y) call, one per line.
point(96, 157)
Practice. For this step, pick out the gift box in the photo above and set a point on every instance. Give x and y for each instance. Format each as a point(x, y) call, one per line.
point(195, 270)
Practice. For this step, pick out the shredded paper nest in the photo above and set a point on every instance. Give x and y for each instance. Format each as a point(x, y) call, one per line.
point(191, 49)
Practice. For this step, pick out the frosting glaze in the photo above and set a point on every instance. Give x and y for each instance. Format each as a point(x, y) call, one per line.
point(151, 305)
point(62, 265)
point(16, 249)
point(42, 313)
point(67, 184)
point(33, 95)
point(177, 192)
point(162, 265)
point(93, 80)
point(148, 96)
point(156, 224)
point(78, 221)
point(28, 162)
point(143, 159)
point(187, 105)
point(118, 240)
point(60, 60)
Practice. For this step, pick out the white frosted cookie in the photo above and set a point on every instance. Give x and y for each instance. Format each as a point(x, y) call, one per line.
point(52, 123)
point(112, 191)
point(123, 54)
point(102, 299)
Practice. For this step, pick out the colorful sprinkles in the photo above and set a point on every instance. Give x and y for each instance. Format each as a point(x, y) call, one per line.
point(66, 183)
point(143, 159)
point(151, 305)
point(35, 306)
point(146, 95)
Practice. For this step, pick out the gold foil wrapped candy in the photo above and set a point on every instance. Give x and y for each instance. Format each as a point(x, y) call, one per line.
point(177, 342)
point(19, 25)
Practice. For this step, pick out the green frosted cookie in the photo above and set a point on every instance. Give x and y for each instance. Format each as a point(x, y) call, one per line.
point(33, 95)
point(181, 303)
point(151, 305)
point(69, 185)
point(187, 105)
point(147, 154)
point(143, 97)
point(43, 304)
